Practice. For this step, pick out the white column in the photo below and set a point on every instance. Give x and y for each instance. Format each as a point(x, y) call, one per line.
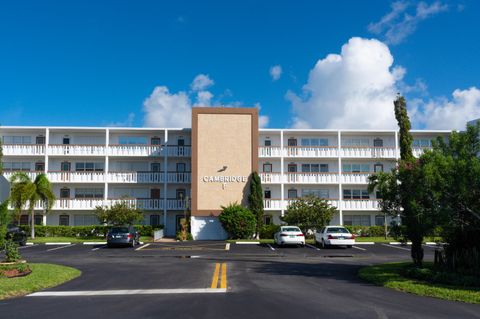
point(340, 197)
point(282, 174)
point(47, 141)
point(107, 143)
point(397, 151)
point(165, 167)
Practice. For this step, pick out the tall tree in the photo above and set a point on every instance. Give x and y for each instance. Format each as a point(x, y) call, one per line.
point(120, 213)
point(255, 200)
point(26, 194)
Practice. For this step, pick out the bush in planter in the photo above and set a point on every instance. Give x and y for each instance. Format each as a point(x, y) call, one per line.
point(239, 222)
point(11, 252)
point(179, 236)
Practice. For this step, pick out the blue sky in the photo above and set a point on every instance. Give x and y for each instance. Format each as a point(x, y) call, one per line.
point(97, 63)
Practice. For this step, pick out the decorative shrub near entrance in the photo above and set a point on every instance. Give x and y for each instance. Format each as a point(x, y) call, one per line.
point(238, 222)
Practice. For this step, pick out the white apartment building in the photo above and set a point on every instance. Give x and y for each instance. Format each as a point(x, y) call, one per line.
point(160, 169)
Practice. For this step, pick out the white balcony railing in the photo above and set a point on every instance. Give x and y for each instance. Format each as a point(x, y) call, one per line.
point(23, 149)
point(76, 177)
point(181, 151)
point(135, 150)
point(77, 150)
point(312, 178)
point(271, 178)
point(418, 151)
point(359, 204)
point(149, 177)
point(179, 177)
point(355, 178)
point(269, 151)
point(369, 152)
point(31, 174)
point(312, 151)
point(273, 204)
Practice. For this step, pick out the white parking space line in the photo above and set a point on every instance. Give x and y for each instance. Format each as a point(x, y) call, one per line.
point(127, 292)
point(95, 243)
point(227, 246)
point(270, 247)
point(311, 246)
point(359, 248)
point(141, 247)
point(61, 247)
point(97, 248)
point(391, 246)
point(57, 244)
point(247, 242)
point(364, 243)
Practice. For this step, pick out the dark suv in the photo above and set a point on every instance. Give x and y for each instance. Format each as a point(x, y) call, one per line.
point(123, 235)
point(16, 235)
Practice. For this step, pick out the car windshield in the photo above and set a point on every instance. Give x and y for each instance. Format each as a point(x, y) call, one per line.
point(117, 230)
point(293, 229)
point(337, 230)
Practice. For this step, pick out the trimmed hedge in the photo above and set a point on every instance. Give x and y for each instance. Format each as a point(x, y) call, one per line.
point(267, 231)
point(367, 231)
point(83, 231)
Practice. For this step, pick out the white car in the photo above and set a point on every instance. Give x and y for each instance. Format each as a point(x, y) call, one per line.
point(289, 235)
point(334, 236)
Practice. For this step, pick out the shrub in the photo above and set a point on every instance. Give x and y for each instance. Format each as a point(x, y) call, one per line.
point(83, 231)
point(11, 252)
point(179, 236)
point(238, 222)
point(267, 231)
point(367, 231)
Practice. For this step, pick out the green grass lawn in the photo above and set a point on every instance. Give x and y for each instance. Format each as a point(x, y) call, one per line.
point(76, 240)
point(389, 275)
point(43, 276)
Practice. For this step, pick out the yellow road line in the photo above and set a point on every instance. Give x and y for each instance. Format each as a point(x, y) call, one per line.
point(223, 281)
point(215, 276)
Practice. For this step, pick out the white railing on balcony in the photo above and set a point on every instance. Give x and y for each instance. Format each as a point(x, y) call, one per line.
point(181, 151)
point(311, 151)
point(31, 174)
point(269, 151)
point(135, 150)
point(369, 152)
point(77, 203)
point(23, 149)
point(89, 150)
point(135, 177)
point(360, 204)
point(418, 151)
point(273, 204)
point(355, 178)
point(76, 177)
point(179, 177)
point(311, 178)
point(271, 178)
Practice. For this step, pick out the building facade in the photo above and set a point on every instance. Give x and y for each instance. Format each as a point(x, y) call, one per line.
point(167, 171)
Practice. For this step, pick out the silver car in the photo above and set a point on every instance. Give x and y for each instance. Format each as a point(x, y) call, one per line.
point(123, 235)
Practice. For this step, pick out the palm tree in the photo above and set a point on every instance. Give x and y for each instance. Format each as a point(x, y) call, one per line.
point(25, 193)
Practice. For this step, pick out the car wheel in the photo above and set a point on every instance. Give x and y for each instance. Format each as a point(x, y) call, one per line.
point(133, 243)
point(23, 242)
point(349, 246)
point(323, 244)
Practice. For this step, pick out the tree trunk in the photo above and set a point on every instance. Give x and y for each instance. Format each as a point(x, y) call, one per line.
point(32, 223)
point(385, 225)
point(417, 252)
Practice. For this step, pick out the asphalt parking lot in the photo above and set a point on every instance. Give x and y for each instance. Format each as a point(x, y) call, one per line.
point(220, 280)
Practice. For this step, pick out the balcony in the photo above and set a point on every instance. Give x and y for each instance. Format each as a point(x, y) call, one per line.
point(149, 177)
point(311, 151)
point(346, 204)
point(355, 178)
point(270, 151)
point(135, 150)
point(76, 177)
point(23, 149)
point(31, 174)
point(312, 178)
point(418, 151)
point(368, 152)
point(179, 151)
point(76, 150)
point(271, 178)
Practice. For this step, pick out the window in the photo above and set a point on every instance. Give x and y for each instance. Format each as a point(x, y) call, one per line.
point(314, 168)
point(89, 167)
point(16, 166)
point(314, 141)
point(267, 219)
point(356, 142)
point(155, 167)
point(422, 142)
point(181, 167)
point(132, 140)
point(64, 220)
point(24, 220)
point(320, 193)
point(356, 168)
point(65, 166)
point(267, 194)
point(292, 193)
point(39, 166)
point(267, 168)
point(181, 193)
point(88, 192)
point(38, 219)
point(378, 167)
point(292, 142)
point(85, 220)
point(155, 141)
point(40, 140)
point(17, 139)
point(66, 141)
point(379, 220)
point(292, 168)
point(181, 142)
point(356, 220)
point(268, 143)
point(378, 195)
point(356, 194)
point(378, 142)
point(154, 220)
point(64, 193)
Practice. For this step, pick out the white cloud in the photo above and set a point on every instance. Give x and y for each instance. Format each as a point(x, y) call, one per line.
point(353, 89)
point(204, 98)
point(398, 24)
point(276, 72)
point(443, 113)
point(201, 82)
point(263, 121)
point(128, 122)
point(165, 109)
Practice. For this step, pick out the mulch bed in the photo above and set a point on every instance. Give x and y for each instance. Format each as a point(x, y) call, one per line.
point(12, 271)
